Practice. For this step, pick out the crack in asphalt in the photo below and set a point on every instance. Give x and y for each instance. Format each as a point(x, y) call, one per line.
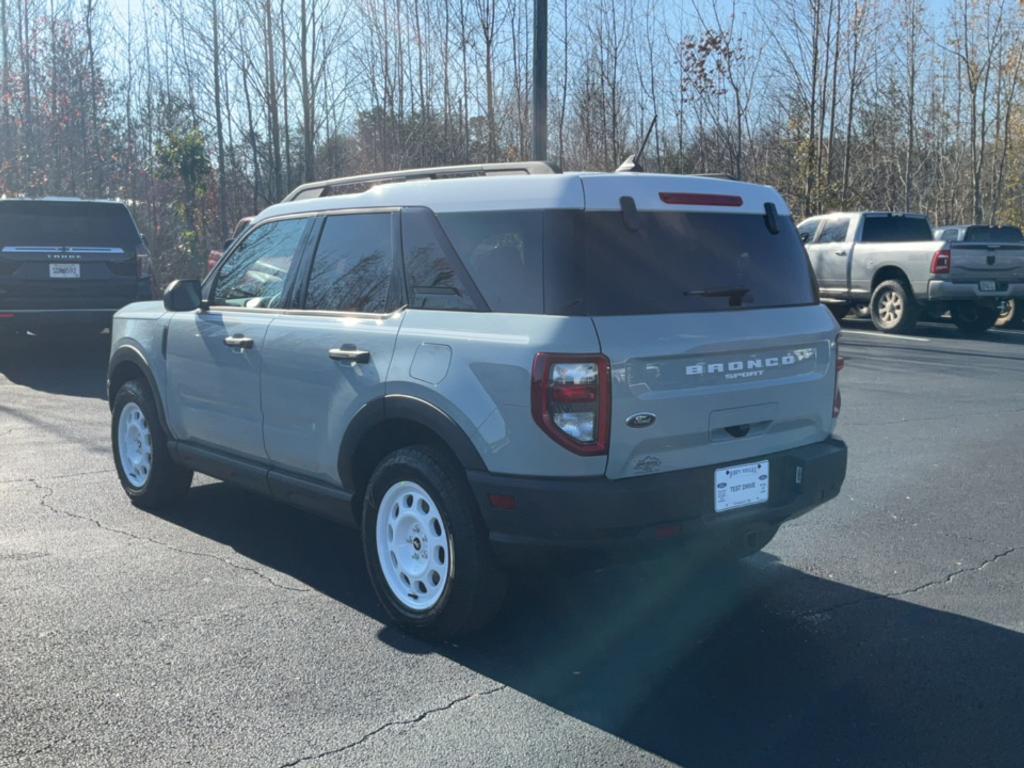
point(58, 477)
point(391, 724)
point(947, 579)
point(44, 501)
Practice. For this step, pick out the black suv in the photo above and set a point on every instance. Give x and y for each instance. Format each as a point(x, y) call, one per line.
point(69, 263)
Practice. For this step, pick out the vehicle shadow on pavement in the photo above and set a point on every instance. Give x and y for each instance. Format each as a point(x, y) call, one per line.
point(939, 330)
point(73, 364)
point(749, 664)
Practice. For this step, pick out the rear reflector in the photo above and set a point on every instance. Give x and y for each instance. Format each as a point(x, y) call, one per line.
point(501, 501)
point(6, 315)
point(694, 198)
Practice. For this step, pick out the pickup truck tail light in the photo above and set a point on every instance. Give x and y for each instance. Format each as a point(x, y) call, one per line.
point(942, 261)
point(837, 398)
point(571, 400)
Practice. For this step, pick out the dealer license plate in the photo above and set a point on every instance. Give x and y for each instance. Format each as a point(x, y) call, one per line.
point(742, 485)
point(65, 270)
point(987, 285)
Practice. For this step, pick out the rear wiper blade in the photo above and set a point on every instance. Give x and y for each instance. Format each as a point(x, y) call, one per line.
point(735, 295)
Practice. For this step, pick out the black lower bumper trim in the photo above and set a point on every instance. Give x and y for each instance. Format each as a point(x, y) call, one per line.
point(596, 513)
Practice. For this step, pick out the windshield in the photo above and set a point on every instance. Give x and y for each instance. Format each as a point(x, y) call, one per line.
point(59, 223)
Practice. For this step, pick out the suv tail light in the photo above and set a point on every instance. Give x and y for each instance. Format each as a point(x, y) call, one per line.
point(571, 400)
point(143, 264)
point(837, 398)
point(942, 261)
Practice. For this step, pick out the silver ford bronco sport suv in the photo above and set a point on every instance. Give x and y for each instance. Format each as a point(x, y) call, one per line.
point(478, 365)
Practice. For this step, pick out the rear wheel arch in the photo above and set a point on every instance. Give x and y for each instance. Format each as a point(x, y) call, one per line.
point(393, 422)
point(889, 273)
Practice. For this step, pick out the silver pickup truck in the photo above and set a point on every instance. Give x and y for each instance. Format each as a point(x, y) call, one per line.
point(889, 266)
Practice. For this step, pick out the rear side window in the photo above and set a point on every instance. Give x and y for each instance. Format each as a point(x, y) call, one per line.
point(688, 262)
point(835, 230)
point(502, 251)
point(434, 277)
point(895, 229)
point(52, 223)
point(254, 274)
point(354, 265)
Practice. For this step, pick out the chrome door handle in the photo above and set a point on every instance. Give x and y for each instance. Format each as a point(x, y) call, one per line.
point(238, 342)
point(350, 355)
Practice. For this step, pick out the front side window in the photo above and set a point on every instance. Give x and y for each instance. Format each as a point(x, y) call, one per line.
point(807, 230)
point(353, 269)
point(255, 273)
point(834, 230)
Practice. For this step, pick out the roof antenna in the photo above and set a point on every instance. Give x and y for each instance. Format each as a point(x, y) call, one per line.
point(632, 163)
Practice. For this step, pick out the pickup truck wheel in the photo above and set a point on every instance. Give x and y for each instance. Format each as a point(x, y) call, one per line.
point(147, 473)
point(973, 319)
point(893, 309)
point(419, 521)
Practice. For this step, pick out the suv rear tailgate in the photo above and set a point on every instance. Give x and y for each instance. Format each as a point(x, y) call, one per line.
point(722, 387)
point(40, 277)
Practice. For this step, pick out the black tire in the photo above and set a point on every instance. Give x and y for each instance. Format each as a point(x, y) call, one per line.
point(973, 319)
point(166, 483)
point(839, 311)
point(473, 593)
point(893, 309)
point(1012, 316)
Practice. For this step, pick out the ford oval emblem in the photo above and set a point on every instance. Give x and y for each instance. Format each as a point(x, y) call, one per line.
point(639, 420)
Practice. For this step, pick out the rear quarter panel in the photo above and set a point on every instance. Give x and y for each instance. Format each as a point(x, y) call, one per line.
point(913, 259)
point(477, 367)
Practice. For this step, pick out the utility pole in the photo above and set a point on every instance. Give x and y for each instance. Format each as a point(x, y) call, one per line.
point(540, 79)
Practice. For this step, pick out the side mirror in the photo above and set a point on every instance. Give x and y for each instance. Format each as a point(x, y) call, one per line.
point(805, 237)
point(228, 242)
point(183, 296)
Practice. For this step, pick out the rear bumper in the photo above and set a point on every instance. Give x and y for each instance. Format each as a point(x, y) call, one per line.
point(22, 319)
point(946, 290)
point(637, 516)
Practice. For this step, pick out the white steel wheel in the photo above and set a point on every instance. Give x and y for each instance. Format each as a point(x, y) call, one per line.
point(134, 445)
point(413, 547)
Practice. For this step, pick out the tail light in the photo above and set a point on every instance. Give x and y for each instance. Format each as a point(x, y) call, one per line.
point(572, 400)
point(837, 398)
point(942, 261)
point(143, 265)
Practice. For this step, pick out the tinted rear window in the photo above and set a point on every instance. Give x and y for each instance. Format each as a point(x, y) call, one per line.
point(591, 263)
point(36, 222)
point(895, 229)
point(993, 235)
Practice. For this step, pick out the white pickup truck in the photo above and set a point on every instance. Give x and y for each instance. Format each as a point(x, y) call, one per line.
point(890, 265)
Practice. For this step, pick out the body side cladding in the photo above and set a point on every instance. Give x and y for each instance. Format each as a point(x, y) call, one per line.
point(302, 492)
point(403, 408)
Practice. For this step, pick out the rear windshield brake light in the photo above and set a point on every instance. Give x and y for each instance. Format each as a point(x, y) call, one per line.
point(697, 198)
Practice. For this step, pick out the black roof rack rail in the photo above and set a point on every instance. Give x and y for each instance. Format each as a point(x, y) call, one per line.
point(334, 186)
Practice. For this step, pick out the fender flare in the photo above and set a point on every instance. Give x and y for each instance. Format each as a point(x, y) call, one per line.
point(128, 353)
point(407, 408)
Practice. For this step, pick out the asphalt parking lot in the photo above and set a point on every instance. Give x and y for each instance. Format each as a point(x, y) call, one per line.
point(884, 629)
